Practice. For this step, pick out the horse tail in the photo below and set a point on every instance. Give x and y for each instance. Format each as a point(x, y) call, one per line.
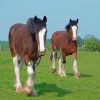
point(10, 35)
point(11, 32)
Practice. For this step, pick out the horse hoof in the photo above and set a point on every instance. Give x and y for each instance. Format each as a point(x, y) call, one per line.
point(19, 89)
point(31, 94)
point(28, 91)
point(77, 75)
point(62, 74)
point(53, 70)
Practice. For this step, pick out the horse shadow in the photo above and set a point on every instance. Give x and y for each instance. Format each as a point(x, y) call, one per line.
point(82, 75)
point(49, 88)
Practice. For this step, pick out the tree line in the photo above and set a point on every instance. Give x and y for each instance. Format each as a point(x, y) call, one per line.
point(89, 43)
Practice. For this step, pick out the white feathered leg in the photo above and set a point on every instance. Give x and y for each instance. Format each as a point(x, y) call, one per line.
point(17, 74)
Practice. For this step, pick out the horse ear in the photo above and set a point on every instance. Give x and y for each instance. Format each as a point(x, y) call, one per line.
point(70, 20)
point(45, 19)
point(35, 18)
point(77, 20)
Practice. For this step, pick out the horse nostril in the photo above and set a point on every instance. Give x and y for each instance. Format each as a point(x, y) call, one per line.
point(41, 52)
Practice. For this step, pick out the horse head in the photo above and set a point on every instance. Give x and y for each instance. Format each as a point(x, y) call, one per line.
point(72, 27)
point(40, 33)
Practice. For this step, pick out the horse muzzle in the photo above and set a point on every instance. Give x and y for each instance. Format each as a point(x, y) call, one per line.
point(41, 53)
point(74, 39)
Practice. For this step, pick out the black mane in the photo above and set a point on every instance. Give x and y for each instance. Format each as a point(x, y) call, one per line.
point(30, 25)
point(67, 27)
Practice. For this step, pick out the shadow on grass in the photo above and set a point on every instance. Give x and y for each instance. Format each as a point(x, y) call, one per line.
point(81, 75)
point(49, 88)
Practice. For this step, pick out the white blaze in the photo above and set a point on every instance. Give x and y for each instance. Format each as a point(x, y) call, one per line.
point(74, 29)
point(41, 39)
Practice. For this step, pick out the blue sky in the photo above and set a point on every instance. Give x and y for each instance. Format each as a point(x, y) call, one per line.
point(58, 13)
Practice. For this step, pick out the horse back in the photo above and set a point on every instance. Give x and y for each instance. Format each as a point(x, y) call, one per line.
point(21, 42)
point(56, 39)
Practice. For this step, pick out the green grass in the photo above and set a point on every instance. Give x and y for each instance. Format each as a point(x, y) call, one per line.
point(50, 86)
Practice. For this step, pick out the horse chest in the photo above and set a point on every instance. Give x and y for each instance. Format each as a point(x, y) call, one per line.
point(73, 47)
point(69, 48)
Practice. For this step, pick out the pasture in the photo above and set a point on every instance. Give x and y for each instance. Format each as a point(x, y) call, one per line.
point(50, 86)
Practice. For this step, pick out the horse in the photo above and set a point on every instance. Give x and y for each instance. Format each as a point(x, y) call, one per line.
point(65, 42)
point(27, 46)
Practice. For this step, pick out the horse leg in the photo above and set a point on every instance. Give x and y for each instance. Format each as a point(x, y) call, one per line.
point(17, 66)
point(29, 87)
point(20, 64)
point(63, 70)
point(75, 70)
point(35, 64)
point(61, 65)
point(52, 57)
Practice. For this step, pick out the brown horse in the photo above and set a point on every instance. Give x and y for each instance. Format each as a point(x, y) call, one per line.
point(27, 45)
point(66, 43)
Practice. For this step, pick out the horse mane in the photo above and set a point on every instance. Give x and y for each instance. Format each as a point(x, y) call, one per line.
point(30, 25)
point(67, 27)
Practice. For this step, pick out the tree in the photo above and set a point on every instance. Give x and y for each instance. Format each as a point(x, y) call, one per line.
point(91, 43)
point(79, 41)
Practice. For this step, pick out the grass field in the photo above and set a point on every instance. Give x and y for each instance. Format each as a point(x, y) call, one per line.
point(50, 86)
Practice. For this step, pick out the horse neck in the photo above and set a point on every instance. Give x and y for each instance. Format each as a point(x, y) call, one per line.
point(34, 41)
point(69, 35)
